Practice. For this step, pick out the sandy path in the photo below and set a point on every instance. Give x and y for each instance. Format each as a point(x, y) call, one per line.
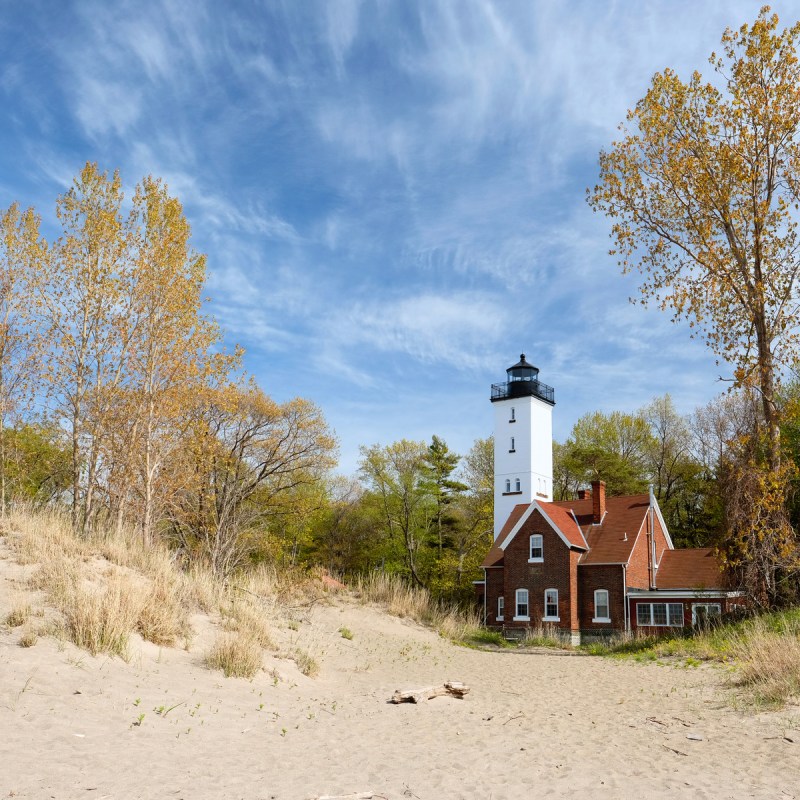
point(534, 725)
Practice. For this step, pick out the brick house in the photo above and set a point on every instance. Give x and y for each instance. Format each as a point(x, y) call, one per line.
point(598, 565)
point(586, 567)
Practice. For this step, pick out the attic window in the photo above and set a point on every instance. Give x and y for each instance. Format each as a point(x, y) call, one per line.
point(536, 549)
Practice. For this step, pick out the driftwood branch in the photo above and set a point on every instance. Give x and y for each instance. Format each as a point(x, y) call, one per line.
point(454, 688)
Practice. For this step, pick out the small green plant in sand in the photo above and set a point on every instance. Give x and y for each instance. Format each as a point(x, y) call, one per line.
point(346, 633)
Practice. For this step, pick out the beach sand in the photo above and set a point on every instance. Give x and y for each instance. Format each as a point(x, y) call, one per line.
point(535, 724)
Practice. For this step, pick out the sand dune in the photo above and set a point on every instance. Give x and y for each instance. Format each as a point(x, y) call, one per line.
point(538, 724)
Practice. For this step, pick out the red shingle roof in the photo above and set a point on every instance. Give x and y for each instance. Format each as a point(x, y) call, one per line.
point(494, 558)
point(611, 542)
point(695, 568)
point(565, 522)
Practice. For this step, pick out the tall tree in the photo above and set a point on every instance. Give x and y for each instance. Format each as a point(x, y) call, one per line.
point(171, 351)
point(85, 296)
point(21, 254)
point(610, 447)
point(703, 189)
point(439, 464)
point(396, 475)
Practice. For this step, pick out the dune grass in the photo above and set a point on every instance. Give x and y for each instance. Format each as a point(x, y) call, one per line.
point(237, 655)
point(109, 586)
point(403, 600)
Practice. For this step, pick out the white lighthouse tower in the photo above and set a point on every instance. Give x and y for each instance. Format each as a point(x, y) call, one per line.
point(523, 440)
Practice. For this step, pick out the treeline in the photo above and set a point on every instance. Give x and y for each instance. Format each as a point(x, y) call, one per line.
point(708, 475)
point(117, 397)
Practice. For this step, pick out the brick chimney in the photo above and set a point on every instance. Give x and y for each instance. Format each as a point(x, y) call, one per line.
point(598, 501)
point(584, 494)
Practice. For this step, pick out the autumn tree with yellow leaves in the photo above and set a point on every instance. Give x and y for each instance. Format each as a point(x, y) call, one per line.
point(164, 431)
point(21, 251)
point(703, 189)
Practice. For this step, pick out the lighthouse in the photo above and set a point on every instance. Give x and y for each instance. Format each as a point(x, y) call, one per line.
point(523, 440)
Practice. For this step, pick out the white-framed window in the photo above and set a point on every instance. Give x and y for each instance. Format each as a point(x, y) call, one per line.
point(508, 485)
point(501, 608)
point(602, 613)
point(536, 552)
point(513, 417)
point(551, 605)
point(512, 449)
point(659, 615)
point(518, 485)
point(522, 608)
point(703, 613)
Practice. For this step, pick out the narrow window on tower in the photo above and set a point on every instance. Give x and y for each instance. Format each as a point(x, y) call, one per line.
point(513, 417)
point(518, 486)
point(512, 449)
point(508, 485)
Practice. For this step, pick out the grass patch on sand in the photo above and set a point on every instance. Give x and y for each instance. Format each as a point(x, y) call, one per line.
point(764, 650)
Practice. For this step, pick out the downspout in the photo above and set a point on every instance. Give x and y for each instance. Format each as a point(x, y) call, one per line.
point(625, 605)
point(485, 590)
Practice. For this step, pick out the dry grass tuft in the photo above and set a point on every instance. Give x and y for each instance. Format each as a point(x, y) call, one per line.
point(28, 639)
point(769, 662)
point(163, 617)
point(403, 600)
point(306, 663)
point(20, 613)
point(236, 655)
point(100, 619)
point(249, 621)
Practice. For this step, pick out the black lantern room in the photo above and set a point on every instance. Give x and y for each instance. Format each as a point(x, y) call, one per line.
point(523, 381)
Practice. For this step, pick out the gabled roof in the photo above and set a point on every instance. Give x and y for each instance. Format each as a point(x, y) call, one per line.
point(690, 568)
point(559, 519)
point(565, 523)
point(494, 558)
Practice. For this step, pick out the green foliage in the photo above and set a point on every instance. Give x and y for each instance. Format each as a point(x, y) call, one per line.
point(610, 447)
point(37, 465)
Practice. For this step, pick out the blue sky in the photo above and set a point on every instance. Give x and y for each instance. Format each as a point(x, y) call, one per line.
point(391, 194)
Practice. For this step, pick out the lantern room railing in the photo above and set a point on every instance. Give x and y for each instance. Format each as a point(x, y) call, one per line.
point(504, 391)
